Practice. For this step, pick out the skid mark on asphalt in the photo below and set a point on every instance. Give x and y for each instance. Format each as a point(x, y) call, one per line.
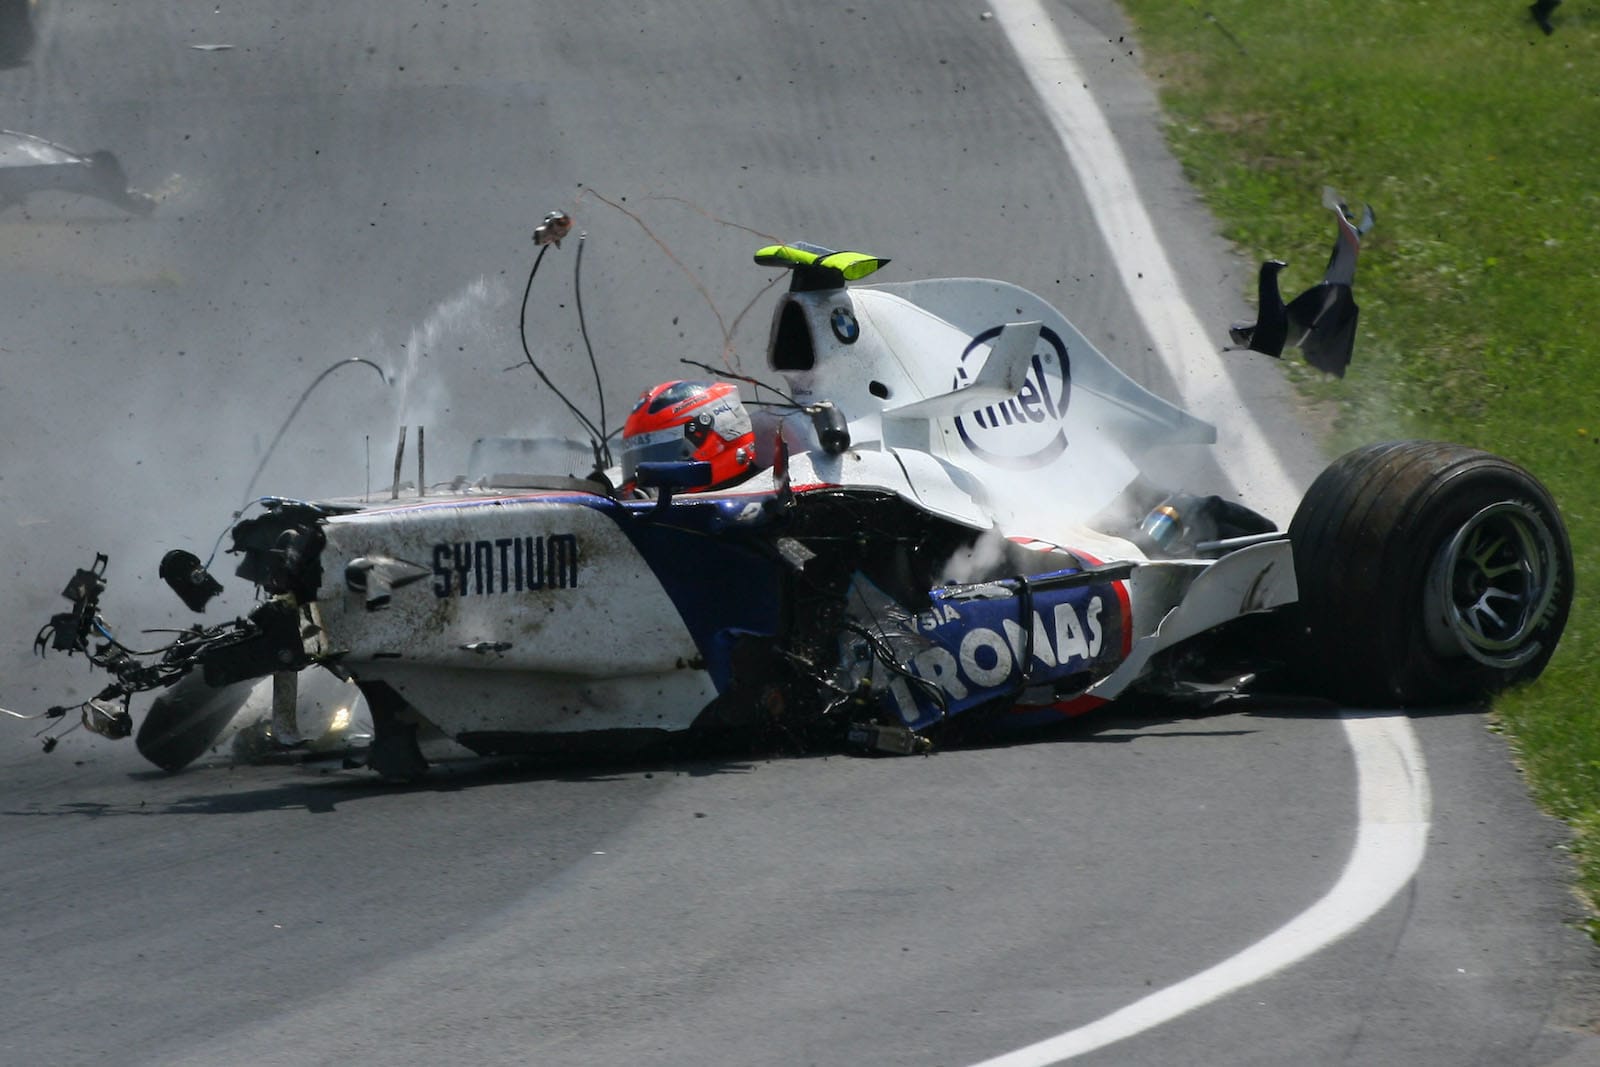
point(1392, 782)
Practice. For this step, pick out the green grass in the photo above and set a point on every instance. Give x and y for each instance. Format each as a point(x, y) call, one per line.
point(1472, 135)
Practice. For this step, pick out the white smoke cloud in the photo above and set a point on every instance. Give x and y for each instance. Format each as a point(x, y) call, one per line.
point(975, 562)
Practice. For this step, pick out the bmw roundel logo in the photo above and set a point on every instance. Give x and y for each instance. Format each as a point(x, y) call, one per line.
point(844, 324)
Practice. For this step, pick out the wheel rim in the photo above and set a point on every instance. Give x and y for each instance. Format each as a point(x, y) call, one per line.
point(1489, 587)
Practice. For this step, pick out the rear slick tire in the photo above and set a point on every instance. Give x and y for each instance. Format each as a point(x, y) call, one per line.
point(1429, 574)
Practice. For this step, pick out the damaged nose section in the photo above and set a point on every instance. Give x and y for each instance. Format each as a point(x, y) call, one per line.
point(200, 670)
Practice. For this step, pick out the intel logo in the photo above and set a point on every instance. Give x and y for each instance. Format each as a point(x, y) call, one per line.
point(1025, 431)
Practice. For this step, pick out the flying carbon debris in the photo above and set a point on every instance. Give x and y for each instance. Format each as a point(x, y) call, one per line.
point(1321, 321)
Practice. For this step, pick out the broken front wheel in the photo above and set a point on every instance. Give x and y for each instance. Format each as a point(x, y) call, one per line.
point(1428, 573)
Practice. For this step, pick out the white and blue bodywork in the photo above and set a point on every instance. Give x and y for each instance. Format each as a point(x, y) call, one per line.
point(939, 564)
point(938, 540)
point(952, 530)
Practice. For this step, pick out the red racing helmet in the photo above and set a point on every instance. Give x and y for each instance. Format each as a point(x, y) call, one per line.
point(687, 420)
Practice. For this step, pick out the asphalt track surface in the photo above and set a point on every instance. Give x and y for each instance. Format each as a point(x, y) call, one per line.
point(360, 180)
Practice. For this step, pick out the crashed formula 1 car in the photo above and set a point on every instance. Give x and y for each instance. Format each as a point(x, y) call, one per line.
point(946, 534)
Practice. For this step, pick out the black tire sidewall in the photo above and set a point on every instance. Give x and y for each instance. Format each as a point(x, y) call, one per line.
point(1423, 675)
point(1366, 538)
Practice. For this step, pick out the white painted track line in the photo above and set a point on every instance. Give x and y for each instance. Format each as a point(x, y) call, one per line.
point(1392, 784)
point(1391, 835)
point(1184, 345)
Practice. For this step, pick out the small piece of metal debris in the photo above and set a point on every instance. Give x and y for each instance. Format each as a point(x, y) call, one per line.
point(212, 47)
point(794, 553)
point(556, 226)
